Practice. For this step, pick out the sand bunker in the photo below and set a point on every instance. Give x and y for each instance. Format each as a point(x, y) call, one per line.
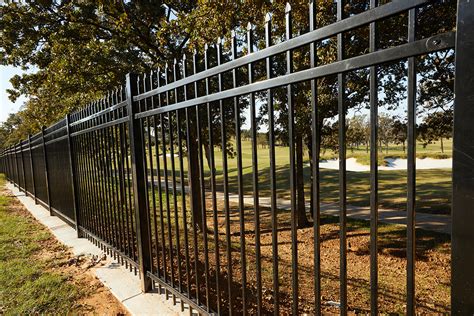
point(391, 164)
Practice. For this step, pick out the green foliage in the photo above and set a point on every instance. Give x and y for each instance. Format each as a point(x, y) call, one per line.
point(436, 126)
point(358, 131)
point(11, 130)
point(80, 50)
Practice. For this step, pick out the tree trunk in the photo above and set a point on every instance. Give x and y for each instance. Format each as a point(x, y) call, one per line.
point(300, 207)
point(403, 146)
point(311, 199)
point(314, 151)
point(207, 153)
point(442, 147)
point(193, 173)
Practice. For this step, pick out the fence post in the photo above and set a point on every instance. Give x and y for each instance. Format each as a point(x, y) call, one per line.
point(17, 173)
point(73, 175)
point(7, 158)
point(18, 158)
point(462, 272)
point(10, 164)
point(10, 167)
point(139, 177)
point(23, 169)
point(46, 173)
point(32, 169)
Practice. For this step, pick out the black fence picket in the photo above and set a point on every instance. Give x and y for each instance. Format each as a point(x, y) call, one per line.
point(129, 171)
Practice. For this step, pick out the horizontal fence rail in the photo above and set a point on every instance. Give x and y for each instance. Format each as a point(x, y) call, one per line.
point(153, 172)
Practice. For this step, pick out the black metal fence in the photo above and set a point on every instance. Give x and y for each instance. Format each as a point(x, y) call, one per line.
point(147, 173)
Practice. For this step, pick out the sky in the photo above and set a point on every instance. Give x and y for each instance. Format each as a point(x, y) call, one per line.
point(6, 106)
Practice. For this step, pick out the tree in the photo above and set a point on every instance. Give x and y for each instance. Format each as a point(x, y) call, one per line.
point(398, 131)
point(436, 126)
point(329, 136)
point(385, 130)
point(246, 134)
point(356, 131)
point(327, 87)
point(82, 50)
point(11, 130)
point(262, 140)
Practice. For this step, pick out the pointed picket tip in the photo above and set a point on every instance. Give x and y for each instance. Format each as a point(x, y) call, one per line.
point(287, 7)
point(206, 47)
point(268, 17)
point(184, 56)
point(249, 26)
point(175, 61)
point(166, 65)
point(220, 40)
point(312, 6)
point(195, 52)
point(233, 34)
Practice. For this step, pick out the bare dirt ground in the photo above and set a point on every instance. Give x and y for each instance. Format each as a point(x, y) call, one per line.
point(432, 266)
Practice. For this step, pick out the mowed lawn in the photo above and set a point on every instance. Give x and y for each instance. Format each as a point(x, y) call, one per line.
point(433, 186)
point(39, 275)
point(27, 283)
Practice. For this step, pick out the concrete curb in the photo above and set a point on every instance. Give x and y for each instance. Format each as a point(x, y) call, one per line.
point(123, 284)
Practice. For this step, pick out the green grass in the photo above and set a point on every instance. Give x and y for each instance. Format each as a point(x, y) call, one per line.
point(27, 284)
point(433, 190)
point(282, 155)
point(433, 187)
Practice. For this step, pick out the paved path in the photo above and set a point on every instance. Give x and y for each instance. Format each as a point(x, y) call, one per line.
point(432, 222)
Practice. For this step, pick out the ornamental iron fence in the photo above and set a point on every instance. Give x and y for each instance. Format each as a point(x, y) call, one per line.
point(153, 172)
